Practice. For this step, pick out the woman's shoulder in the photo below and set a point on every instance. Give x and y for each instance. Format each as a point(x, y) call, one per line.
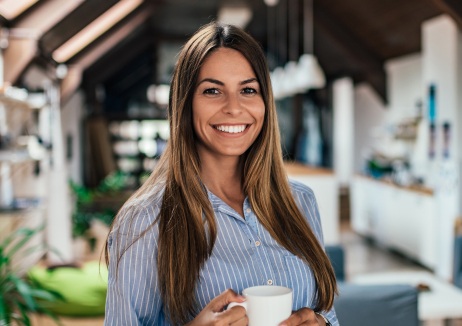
point(301, 189)
point(142, 209)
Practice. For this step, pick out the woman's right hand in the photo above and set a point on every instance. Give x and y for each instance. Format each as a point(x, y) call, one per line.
point(214, 313)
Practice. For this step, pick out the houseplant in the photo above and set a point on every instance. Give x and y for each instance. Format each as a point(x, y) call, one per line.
point(20, 296)
point(96, 206)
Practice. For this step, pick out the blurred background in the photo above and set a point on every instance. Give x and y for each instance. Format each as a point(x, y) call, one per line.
point(369, 107)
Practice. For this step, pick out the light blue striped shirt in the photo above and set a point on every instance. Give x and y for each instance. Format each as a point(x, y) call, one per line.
point(244, 255)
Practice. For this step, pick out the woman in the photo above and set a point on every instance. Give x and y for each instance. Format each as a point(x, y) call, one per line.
point(218, 214)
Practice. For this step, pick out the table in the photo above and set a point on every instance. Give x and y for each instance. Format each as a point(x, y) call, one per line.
point(442, 302)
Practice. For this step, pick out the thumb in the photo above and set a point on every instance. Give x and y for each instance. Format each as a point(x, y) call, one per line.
point(225, 298)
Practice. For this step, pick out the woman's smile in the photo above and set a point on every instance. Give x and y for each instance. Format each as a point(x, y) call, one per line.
point(231, 129)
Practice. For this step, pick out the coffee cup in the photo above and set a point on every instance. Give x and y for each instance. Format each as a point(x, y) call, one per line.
point(266, 305)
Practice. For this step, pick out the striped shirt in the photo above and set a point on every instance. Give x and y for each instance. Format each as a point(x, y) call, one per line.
point(244, 255)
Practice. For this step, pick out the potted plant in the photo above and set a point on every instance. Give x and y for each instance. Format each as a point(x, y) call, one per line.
point(20, 296)
point(94, 210)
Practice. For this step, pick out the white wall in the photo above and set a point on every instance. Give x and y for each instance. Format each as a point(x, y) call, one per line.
point(441, 67)
point(369, 116)
point(404, 85)
point(374, 121)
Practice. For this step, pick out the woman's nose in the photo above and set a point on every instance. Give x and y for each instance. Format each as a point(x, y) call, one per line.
point(233, 105)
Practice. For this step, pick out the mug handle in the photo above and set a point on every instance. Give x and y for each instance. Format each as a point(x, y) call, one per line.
point(233, 304)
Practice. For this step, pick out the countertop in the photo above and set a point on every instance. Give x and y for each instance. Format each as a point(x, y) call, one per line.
point(414, 187)
point(295, 168)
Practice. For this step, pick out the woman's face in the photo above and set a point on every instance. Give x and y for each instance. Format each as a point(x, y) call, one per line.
point(228, 108)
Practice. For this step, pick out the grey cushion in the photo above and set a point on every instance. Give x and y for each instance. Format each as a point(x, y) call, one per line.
point(378, 305)
point(458, 261)
point(337, 258)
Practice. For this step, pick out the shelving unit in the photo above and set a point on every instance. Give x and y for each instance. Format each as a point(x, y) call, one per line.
point(137, 145)
point(15, 118)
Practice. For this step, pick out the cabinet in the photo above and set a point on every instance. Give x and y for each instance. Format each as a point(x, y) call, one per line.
point(399, 218)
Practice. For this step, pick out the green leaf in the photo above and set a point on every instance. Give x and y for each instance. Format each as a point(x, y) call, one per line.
point(25, 292)
point(25, 317)
point(4, 315)
point(26, 235)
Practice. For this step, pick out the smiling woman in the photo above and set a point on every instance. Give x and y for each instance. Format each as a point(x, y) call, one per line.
point(218, 214)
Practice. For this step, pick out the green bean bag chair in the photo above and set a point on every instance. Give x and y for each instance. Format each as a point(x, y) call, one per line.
point(83, 288)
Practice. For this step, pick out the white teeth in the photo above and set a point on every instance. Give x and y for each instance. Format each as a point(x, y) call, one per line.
point(231, 129)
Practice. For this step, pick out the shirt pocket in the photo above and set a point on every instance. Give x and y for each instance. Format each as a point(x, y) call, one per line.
point(302, 282)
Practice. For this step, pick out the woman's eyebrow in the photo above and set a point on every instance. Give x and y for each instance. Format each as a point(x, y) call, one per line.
point(247, 81)
point(215, 81)
point(211, 80)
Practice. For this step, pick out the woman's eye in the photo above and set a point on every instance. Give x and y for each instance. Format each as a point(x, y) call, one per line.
point(211, 91)
point(249, 90)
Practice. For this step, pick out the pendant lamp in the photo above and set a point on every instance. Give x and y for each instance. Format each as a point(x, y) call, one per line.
point(310, 74)
point(291, 67)
point(279, 75)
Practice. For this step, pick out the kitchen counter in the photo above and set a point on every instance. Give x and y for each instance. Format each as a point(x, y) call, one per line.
point(413, 188)
point(294, 168)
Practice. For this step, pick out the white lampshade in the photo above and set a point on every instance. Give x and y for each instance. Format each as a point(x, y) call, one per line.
point(310, 74)
point(277, 81)
point(289, 85)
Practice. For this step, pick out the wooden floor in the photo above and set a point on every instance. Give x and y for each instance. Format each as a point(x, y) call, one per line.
point(46, 321)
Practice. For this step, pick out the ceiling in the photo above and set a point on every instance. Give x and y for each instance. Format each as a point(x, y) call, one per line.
point(351, 38)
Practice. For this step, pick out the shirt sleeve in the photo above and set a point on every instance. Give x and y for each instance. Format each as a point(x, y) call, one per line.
point(133, 296)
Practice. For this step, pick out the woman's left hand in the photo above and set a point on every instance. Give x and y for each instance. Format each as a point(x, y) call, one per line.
point(304, 316)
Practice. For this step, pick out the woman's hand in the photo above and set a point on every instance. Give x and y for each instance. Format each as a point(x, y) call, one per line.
point(304, 316)
point(214, 313)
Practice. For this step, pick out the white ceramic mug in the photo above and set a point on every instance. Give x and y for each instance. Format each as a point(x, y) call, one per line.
point(266, 305)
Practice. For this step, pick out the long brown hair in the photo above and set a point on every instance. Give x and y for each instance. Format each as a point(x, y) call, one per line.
point(187, 227)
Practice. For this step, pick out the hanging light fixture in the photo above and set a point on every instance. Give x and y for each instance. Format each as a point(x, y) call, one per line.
point(291, 68)
point(278, 76)
point(310, 74)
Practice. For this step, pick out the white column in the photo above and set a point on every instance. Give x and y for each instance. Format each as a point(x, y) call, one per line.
point(343, 124)
point(441, 67)
point(59, 234)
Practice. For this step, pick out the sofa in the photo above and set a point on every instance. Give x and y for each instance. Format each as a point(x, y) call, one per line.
point(457, 275)
point(378, 305)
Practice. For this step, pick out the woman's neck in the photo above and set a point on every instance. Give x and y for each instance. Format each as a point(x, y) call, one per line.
point(223, 177)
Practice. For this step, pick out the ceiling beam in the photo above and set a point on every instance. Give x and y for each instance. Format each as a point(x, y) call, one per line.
point(76, 20)
point(17, 57)
point(353, 50)
point(453, 8)
point(87, 58)
point(105, 46)
point(111, 62)
point(46, 14)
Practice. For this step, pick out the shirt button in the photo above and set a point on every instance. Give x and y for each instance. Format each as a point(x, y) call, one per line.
point(248, 210)
point(257, 243)
point(270, 282)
